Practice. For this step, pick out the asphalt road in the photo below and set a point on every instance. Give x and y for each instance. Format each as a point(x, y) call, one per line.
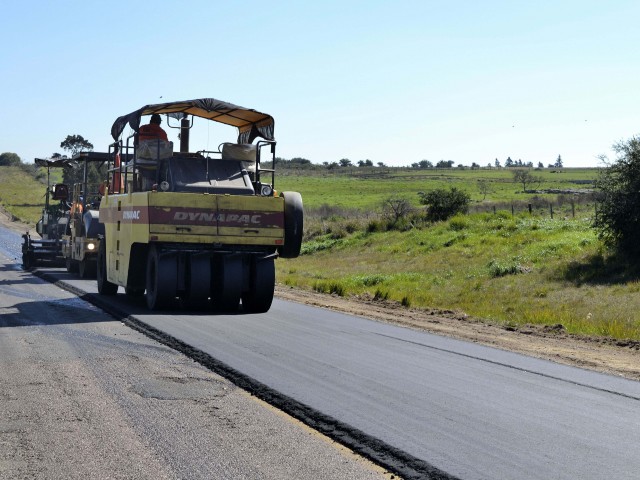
point(469, 411)
point(83, 396)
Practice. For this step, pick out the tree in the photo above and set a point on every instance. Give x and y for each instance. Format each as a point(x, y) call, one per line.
point(508, 162)
point(558, 163)
point(442, 204)
point(540, 165)
point(484, 187)
point(381, 164)
point(445, 164)
point(525, 177)
point(8, 159)
point(475, 166)
point(497, 163)
point(396, 208)
point(425, 164)
point(618, 217)
point(345, 162)
point(75, 144)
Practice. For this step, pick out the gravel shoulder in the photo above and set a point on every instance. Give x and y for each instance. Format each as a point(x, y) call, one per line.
point(84, 396)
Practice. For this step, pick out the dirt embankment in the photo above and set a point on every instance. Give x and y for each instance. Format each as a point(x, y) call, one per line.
point(616, 357)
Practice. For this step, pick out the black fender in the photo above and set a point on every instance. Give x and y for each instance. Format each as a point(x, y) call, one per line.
point(293, 225)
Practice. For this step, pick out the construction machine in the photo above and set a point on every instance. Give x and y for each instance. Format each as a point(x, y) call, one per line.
point(80, 240)
point(47, 250)
point(201, 229)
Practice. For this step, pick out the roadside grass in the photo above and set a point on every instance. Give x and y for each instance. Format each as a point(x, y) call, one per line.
point(512, 270)
point(21, 194)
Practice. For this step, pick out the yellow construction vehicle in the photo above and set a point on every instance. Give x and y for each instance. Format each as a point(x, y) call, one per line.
point(80, 240)
point(198, 228)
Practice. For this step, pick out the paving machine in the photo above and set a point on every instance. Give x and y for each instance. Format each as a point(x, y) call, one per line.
point(198, 228)
point(47, 249)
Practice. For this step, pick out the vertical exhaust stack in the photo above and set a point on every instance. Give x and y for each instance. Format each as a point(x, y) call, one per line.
point(184, 134)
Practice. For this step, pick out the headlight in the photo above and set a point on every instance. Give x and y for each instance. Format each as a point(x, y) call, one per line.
point(266, 190)
point(91, 246)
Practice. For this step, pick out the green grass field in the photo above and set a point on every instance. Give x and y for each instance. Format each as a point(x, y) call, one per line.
point(21, 194)
point(512, 268)
point(353, 189)
point(509, 268)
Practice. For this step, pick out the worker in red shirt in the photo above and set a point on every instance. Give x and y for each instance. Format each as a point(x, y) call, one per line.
point(153, 130)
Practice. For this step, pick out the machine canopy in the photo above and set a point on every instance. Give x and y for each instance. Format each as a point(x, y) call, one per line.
point(250, 123)
point(57, 163)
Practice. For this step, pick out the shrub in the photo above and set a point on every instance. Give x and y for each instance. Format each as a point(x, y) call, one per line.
point(497, 269)
point(443, 204)
point(395, 209)
point(380, 295)
point(329, 287)
point(618, 217)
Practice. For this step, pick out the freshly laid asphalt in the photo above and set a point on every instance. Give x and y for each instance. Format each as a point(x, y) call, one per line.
point(461, 409)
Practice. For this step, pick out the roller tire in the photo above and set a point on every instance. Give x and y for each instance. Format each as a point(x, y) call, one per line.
point(105, 287)
point(86, 268)
point(71, 265)
point(133, 292)
point(198, 282)
point(226, 288)
point(293, 225)
point(263, 280)
point(161, 279)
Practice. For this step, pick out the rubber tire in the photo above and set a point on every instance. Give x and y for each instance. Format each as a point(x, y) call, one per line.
point(262, 285)
point(293, 225)
point(71, 265)
point(86, 268)
point(162, 272)
point(105, 287)
point(133, 292)
point(226, 285)
point(198, 281)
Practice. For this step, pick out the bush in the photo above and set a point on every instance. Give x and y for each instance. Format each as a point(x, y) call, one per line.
point(443, 204)
point(9, 159)
point(618, 216)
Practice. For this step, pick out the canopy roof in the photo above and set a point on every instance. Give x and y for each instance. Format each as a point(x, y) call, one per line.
point(49, 163)
point(250, 123)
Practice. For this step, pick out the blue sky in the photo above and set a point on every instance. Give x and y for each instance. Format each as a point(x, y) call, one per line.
point(393, 82)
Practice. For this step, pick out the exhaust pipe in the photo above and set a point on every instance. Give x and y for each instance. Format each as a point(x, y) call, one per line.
point(184, 134)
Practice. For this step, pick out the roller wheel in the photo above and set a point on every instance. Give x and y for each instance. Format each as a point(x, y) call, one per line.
point(263, 279)
point(134, 292)
point(162, 272)
point(226, 287)
point(71, 265)
point(105, 287)
point(87, 268)
point(198, 281)
point(293, 225)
